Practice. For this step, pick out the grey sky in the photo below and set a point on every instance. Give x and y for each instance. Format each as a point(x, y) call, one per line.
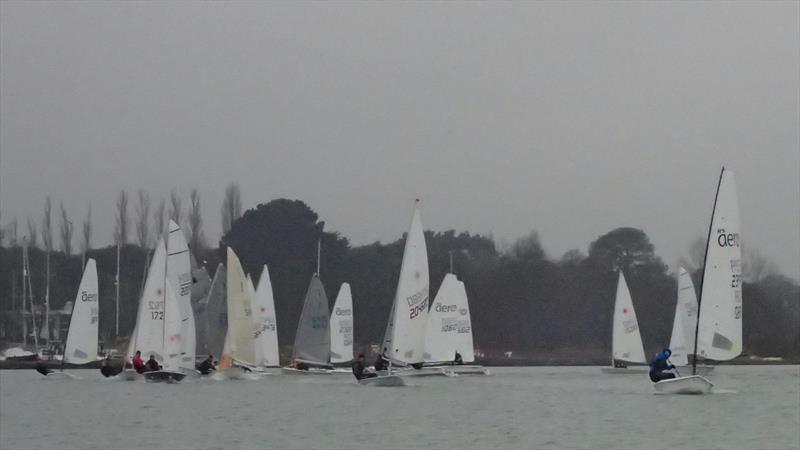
point(568, 118)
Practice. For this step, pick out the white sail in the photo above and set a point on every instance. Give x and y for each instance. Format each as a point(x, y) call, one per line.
point(342, 326)
point(449, 327)
point(404, 339)
point(720, 327)
point(265, 331)
point(682, 341)
point(217, 313)
point(312, 342)
point(174, 338)
point(179, 276)
point(239, 340)
point(626, 340)
point(81, 344)
point(148, 336)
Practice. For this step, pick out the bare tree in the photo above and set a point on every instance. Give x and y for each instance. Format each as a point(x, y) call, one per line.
point(195, 218)
point(12, 233)
point(158, 219)
point(47, 228)
point(176, 207)
point(121, 229)
point(66, 231)
point(143, 219)
point(755, 267)
point(32, 233)
point(87, 234)
point(231, 206)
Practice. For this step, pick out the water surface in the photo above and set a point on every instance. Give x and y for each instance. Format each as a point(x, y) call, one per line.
point(538, 407)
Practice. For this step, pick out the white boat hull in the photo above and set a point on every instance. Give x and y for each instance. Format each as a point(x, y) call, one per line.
point(625, 370)
point(691, 385)
point(701, 370)
point(312, 371)
point(383, 381)
point(426, 372)
point(468, 370)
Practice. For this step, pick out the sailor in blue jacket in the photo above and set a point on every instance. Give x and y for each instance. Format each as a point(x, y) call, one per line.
point(660, 365)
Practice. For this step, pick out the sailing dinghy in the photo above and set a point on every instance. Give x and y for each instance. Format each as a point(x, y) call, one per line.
point(238, 354)
point(265, 325)
point(404, 339)
point(449, 331)
point(626, 342)
point(718, 333)
point(342, 330)
point(312, 341)
point(81, 344)
point(682, 341)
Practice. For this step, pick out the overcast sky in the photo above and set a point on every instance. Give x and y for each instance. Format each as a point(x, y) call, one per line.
point(567, 118)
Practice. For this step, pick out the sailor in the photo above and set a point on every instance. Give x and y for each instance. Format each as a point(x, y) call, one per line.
point(300, 365)
point(105, 367)
point(207, 366)
point(458, 359)
point(380, 363)
point(138, 364)
point(41, 367)
point(359, 371)
point(660, 365)
point(152, 365)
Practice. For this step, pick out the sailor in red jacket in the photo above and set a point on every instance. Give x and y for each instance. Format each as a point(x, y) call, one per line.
point(138, 364)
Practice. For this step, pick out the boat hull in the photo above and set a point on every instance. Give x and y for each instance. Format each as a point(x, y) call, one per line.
point(425, 372)
point(691, 385)
point(466, 370)
point(701, 370)
point(164, 376)
point(383, 381)
point(312, 371)
point(625, 370)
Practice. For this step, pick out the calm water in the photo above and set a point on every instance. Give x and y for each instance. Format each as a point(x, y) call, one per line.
point(575, 407)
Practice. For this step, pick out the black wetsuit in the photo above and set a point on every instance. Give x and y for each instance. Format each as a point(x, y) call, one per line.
point(458, 360)
point(359, 371)
point(107, 370)
point(206, 367)
point(152, 365)
point(41, 368)
point(380, 363)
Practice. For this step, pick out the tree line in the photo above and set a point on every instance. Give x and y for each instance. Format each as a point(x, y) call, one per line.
point(521, 299)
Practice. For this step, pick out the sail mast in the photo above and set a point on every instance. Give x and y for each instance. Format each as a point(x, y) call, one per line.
point(319, 252)
point(164, 317)
point(703, 274)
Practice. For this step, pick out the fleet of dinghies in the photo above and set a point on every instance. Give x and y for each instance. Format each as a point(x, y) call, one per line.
point(236, 319)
